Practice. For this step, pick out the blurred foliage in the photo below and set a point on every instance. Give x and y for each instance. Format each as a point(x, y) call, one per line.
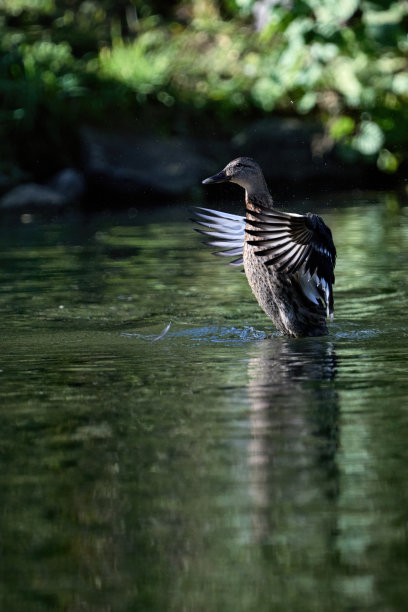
point(64, 62)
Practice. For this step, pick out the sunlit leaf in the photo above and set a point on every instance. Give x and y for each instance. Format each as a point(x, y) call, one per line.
point(345, 79)
point(266, 92)
point(400, 84)
point(341, 127)
point(387, 161)
point(333, 11)
point(307, 102)
point(369, 139)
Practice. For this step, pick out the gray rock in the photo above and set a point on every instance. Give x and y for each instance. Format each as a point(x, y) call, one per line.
point(64, 189)
point(124, 168)
point(70, 184)
point(31, 196)
point(133, 165)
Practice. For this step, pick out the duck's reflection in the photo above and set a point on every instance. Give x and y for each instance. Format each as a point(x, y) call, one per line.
point(294, 428)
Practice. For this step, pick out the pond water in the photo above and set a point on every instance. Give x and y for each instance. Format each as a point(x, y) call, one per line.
point(212, 469)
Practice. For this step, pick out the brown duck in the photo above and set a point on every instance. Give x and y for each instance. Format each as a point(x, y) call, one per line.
point(288, 258)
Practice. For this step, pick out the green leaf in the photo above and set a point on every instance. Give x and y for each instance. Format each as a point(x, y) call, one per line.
point(341, 127)
point(370, 138)
point(400, 84)
point(306, 102)
point(387, 161)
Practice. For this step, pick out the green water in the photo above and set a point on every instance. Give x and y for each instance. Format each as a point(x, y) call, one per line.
point(213, 469)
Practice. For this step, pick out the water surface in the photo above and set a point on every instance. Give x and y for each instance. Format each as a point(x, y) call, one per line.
point(212, 469)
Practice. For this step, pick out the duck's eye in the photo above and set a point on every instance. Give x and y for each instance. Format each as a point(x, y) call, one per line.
point(241, 165)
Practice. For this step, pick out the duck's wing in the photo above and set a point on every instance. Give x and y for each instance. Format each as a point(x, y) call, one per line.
point(226, 231)
point(296, 244)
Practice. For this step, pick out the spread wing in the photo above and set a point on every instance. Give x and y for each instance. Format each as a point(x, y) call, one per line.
point(225, 230)
point(294, 243)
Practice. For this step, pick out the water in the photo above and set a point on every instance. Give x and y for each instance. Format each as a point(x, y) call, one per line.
point(211, 469)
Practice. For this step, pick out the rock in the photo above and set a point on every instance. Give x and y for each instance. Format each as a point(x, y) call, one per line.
point(31, 196)
point(133, 166)
point(124, 168)
point(64, 189)
point(70, 184)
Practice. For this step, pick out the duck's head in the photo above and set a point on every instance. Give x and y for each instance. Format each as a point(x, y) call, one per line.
point(243, 171)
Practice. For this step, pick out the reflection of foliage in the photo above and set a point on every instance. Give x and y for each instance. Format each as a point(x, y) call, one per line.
point(341, 61)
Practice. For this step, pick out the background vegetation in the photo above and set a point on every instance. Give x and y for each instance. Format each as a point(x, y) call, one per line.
point(181, 66)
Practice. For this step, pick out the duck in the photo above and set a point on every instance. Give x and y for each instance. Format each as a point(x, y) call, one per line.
point(288, 258)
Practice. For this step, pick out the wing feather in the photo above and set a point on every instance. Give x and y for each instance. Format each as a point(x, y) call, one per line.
point(226, 231)
point(296, 244)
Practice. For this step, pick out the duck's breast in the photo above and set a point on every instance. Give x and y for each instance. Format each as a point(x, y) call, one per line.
point(271, 289)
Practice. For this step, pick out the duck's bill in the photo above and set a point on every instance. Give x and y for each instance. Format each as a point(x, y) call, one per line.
point(221, 177)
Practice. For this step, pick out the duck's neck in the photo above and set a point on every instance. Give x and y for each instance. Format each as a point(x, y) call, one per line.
point(258, 197)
